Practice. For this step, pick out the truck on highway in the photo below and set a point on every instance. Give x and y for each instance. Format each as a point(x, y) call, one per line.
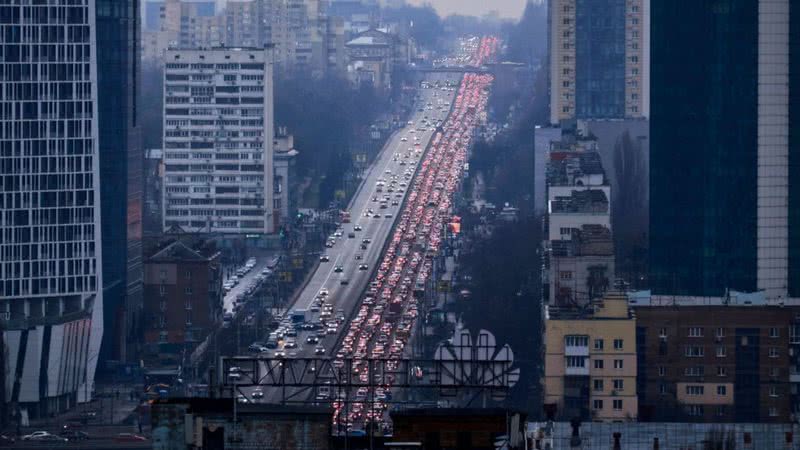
point(298, 315)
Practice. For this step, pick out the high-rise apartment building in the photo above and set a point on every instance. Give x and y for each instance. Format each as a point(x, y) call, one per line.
point(121, 158)
point(218, 141)
point(51, 297)
point(590, 361)
point(725, 148)
point(598, 54)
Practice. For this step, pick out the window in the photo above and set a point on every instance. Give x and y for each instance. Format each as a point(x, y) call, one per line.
point(618, 364)
point(598, 363)
point(662, 333)
point(695, 332)
point(576, 361)
point(774, 333)
point(722, 371)
point(188, 274)
point(662, 389)
point(162, 336)
point(694, 351)
point(565, 231)
point(188, 304)
point(721, 410)
point(694, 389)
point(576, 341)
point(773, 390)
point(618, 385)
point(773, 411)
point(565, 275)
point(722, 390)
point(721, 353)
point(694, 410)
point(773, 352)
point(188, 290)
point(774, 372)
point(617, 404)
point(617, 344)
point(720, 333)
point(163, 274)
point(597, 404)
point(694, 371)
point(598, 344)
point(162, 290)
point(662, 371)
point(598, 385)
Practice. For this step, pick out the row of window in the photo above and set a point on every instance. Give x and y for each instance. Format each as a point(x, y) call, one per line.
point(580, 362)
point(599, 385)
point(583, 341)
point(698, 351)
point(774, 332)
point(616, 404)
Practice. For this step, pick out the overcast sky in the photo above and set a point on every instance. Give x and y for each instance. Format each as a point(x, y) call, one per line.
point(506, 8)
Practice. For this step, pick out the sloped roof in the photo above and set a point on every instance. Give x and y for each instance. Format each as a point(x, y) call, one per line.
point(177, 251)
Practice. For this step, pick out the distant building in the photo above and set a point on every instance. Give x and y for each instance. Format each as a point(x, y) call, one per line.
point(372, 56)
point(725, 148)
point(188, 423)
point(153, 191)
point(599, 52)
point(590, 365)
point(578, 248)
point(218, 146)
point(718, 363)
point(183, 300)
point(51, 251)
point(303, 36)
point(284, 159)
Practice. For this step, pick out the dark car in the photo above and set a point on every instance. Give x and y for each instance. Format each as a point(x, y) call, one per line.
point(6, 440)
point(74, 435)
point(324, 258)
point(129, 437)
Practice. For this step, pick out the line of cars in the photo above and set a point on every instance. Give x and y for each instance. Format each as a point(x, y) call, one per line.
point(383, 323)
point(70, 435)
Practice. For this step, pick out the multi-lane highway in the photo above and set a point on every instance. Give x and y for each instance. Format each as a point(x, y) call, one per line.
point(347, 265)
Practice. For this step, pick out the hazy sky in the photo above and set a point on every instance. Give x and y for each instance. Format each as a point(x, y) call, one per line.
point(506, 8)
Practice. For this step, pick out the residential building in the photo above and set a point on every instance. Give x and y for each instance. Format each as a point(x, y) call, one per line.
point(121, 158)
point(717, 362)
point(183, 299)
point(578, 248)
point(51, 252)
point(581, 268)
point(725, 210)
point(598, 59)
point(590, 363)
point(218, 146)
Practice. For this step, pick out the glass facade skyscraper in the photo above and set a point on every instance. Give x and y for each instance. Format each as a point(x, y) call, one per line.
point(720, 214)
point(51, 298)
point(121, 160)
point(599, 59)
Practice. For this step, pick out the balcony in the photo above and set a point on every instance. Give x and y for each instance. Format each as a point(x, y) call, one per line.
point(576, 350)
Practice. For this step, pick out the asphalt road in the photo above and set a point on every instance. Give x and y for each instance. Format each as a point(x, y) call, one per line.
point(343, 253)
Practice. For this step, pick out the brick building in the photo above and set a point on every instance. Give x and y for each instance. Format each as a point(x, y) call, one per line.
point(183, 298)
point(717, 363)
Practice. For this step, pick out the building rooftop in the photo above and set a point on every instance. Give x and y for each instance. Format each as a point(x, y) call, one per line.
point(570, 168)
point(179, 251)
point(583, 201)
point(589, 240)
point(613, 306)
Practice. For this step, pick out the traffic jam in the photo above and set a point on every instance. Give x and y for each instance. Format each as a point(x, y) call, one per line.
point(383, 324)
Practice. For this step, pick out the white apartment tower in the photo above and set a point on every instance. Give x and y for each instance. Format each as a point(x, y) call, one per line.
point(51, 305)
point(218, 129)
